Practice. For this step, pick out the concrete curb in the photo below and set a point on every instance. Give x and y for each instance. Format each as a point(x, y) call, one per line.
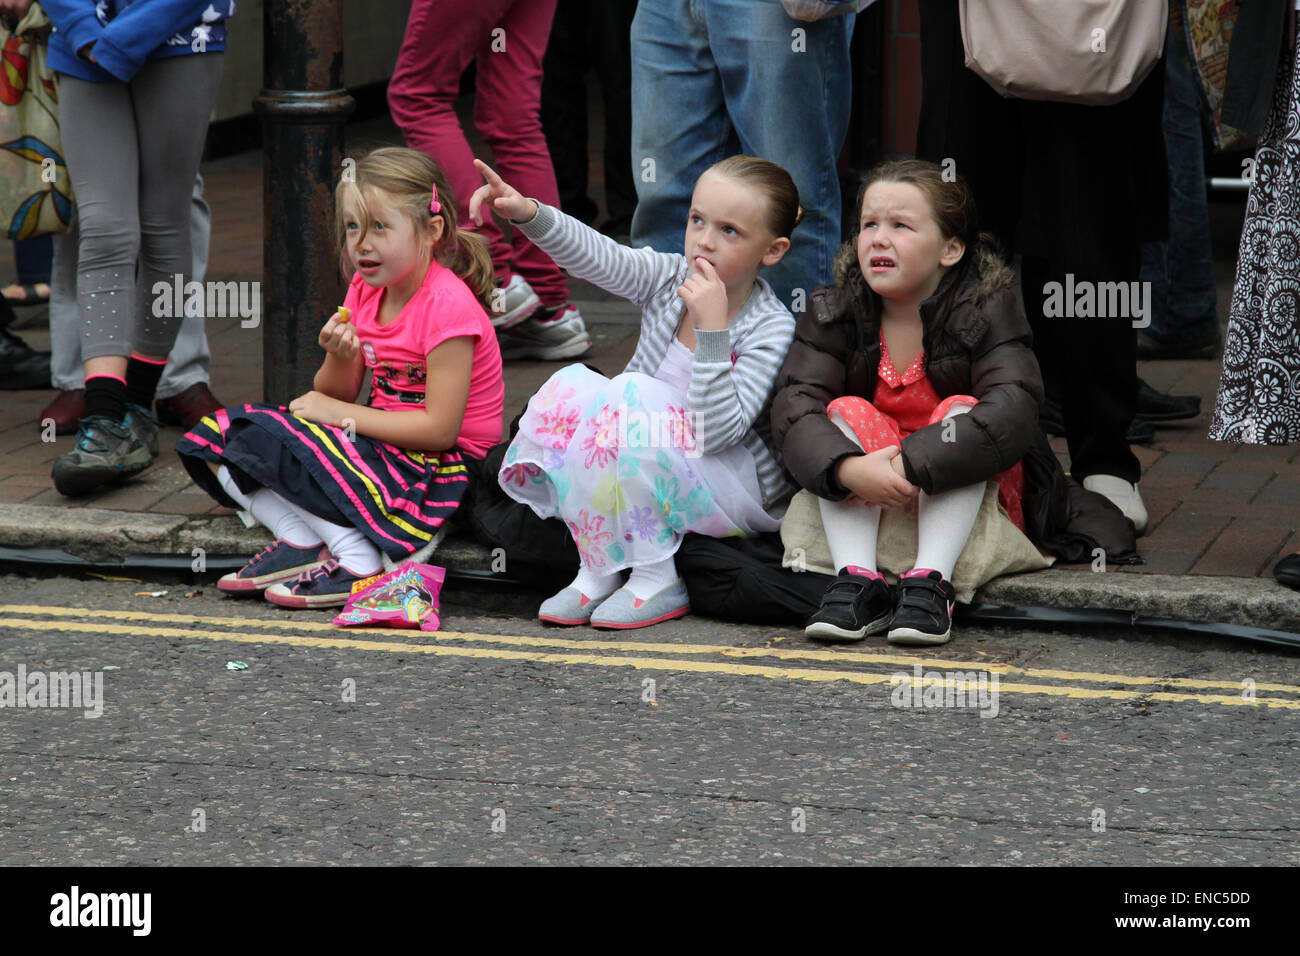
point(108, 537)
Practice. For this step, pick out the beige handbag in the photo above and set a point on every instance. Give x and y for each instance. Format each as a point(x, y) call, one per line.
point(1093, 52)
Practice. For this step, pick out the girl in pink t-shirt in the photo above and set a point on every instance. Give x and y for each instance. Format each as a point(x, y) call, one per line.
point(338, 483)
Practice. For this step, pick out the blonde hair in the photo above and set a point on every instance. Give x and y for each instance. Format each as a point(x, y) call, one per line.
point(775, 184)
point(953, 207)
point(406, 178)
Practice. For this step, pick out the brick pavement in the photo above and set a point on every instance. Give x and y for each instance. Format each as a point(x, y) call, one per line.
point(1215, 508)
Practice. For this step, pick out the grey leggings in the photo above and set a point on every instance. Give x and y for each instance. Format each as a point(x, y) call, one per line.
point(190, 361)
point(133, 150)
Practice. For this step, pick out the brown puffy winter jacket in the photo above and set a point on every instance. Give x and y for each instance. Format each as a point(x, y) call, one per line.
point(982, 350)
point(974, 348)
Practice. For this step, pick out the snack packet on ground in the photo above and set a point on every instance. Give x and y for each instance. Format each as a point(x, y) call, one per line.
point(407, 596)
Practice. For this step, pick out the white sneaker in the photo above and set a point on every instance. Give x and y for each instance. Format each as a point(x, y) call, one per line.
point(1122, 495)
point(541, 337)
point(516, 301)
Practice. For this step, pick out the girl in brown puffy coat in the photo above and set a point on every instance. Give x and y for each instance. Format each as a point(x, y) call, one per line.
point(913, 379)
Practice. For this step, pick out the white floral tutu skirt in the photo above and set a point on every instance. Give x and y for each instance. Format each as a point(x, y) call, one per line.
point(617, 460)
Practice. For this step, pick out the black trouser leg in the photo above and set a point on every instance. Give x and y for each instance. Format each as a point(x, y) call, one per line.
point(1090, 366)
point(613, 63)
point(564, 107)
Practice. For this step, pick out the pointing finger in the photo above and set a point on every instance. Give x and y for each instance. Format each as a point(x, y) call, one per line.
point(488, 173)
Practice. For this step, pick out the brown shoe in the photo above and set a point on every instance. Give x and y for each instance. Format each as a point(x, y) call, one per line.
point(187, 408)
point(68, 408)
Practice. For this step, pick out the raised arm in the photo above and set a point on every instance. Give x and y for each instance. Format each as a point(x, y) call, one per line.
point(633, 274)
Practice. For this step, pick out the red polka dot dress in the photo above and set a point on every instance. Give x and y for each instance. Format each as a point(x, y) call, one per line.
point(906, 403)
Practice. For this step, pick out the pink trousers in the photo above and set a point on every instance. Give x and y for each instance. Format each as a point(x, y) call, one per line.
point(506, 39)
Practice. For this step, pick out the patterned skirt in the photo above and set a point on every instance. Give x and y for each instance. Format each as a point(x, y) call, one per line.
point(617, 460)
point(1259, 391)
point(398, 499)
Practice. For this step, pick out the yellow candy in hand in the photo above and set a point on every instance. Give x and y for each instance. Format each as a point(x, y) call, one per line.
point(344, 315)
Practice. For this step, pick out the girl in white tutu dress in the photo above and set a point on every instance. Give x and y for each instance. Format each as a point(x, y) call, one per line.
point(678, 442)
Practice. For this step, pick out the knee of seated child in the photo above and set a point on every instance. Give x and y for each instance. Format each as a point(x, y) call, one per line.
point(846, 405)
point(959, 407)
point(842, 411)
point(838, 421)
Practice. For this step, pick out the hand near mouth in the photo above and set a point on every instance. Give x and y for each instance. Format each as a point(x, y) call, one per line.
point(705, 296)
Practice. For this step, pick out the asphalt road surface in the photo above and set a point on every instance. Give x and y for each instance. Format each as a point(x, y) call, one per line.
point(498, 740)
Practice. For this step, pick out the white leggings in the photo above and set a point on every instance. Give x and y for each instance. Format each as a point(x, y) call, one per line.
point(944, 522)
point(302, 529)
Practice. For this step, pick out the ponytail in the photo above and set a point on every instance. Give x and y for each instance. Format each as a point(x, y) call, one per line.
point(470, 260)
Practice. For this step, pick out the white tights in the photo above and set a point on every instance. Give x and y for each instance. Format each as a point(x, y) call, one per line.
point(302, 529)
point(944, 522)
point(645, 581)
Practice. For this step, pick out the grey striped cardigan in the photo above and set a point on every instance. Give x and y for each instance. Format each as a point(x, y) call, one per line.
point(734, 369)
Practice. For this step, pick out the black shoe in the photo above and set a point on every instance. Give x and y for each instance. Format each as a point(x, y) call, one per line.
point(21, 366)
point(1287, 571)
point(106, 452)
point(924, 614)
point(853, 607)
point(1052, 421)
point(1158, 407)
point(1141, 431)
point(1205, 346)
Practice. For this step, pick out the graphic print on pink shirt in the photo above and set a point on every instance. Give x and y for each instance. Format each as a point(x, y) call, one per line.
point(443, 308)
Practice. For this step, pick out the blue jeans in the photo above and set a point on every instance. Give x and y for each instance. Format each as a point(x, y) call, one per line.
point(712, 78)
point(1181, 269)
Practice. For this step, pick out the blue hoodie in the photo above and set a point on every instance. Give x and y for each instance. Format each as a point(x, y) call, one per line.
point(126, 33)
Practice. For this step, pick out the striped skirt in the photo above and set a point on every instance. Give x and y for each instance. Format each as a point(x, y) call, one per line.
point(398, 499)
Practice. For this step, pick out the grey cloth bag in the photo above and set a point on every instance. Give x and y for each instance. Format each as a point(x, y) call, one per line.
point(1092, 52)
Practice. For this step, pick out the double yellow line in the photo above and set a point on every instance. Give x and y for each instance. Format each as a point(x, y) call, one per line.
point(796, 663)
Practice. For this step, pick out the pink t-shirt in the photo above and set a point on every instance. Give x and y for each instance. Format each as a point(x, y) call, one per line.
point(441, 309)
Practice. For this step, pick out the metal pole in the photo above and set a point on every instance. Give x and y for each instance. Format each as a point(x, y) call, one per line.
point(303, 106)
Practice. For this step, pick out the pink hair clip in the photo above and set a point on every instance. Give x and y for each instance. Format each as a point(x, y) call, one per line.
point(435, 207)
